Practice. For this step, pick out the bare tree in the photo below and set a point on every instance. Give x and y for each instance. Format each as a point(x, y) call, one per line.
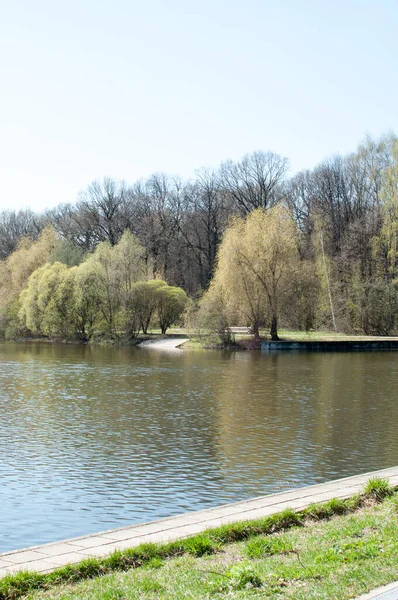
point(152, 213)
point(255, 181)
point(100, 206)
point(16, 224)
point(204, 217)
point(71, 223)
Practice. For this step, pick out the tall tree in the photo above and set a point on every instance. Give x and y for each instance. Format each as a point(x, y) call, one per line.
point(171, 302)
point(14, 225)
point(17, 268)
point(143, 302)
point(116, 269)
point(257, 260)
point(47, 302)
point(204, 216)
point(100, 209)
point(386, 243)
point(255, 181)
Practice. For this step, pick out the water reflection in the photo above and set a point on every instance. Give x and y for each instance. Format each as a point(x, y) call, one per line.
point(93, 438)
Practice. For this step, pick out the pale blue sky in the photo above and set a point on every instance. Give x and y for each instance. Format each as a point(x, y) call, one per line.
point(126, 88)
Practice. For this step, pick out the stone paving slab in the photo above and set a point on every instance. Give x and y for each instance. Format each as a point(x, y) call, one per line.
point(385, 592)
point(89, 542)
point(47, 557)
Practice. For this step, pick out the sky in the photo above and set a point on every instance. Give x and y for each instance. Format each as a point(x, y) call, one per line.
point(125, 88)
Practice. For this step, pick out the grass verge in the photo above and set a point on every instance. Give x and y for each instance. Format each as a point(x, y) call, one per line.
point(207, 563)
point(247, 342)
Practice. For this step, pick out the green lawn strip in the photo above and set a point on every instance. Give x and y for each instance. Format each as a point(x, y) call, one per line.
point(242, 341)
point(318, 336)
point(213, 543)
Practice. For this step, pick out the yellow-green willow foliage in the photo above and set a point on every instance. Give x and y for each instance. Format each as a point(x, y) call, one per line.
point(61, 302)
point(143, 301)
point(47, 302)
point(86, 299)
point(17, 268)
point(115, 269)
point(257, 260)
point(75, 302)
point(15, 271)
point(171, 302)
point(105, 294)
point(156, 302)
point(386, 244)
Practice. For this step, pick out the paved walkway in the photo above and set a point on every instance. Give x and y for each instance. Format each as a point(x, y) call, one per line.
point(163, 344)
point(386, 592)
point(50, 556)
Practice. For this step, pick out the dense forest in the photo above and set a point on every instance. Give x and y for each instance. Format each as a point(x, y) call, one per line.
point(244, 244)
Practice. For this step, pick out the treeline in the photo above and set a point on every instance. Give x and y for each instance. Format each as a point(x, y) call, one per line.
point(345, 219)
point(107, 294)
point(179, 223)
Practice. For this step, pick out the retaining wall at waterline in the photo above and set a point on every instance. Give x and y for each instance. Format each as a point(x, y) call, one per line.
point(330, 346)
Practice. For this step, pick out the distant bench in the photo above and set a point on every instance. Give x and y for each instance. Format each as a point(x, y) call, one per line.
point(243, 330)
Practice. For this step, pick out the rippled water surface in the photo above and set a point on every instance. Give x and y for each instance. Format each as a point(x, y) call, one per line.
point(93, 438)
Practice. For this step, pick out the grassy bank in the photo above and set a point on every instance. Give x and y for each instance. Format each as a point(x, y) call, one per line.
point(334, 550)
point(246, 342)
point(328, 336)
point(205, 341)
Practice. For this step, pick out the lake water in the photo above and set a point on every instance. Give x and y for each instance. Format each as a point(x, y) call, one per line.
point(93, 438)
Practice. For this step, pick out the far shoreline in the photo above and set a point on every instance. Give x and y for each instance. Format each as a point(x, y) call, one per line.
point(289, 340)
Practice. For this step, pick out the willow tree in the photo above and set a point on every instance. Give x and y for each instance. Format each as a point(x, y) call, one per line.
point(116, 269)
point(17, 268)
point(144, 301)
point(47, 305)
point(15, 271)
point(129, 256)
point(87, 300)
point(171, 304)
point(257, 260)
point(386, 244)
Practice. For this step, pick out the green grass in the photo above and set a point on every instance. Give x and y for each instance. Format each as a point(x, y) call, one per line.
point(261, 546)
point(378, 488)
point(243, 340)
point(193, 343)
point(327, 336)
point(205, 564)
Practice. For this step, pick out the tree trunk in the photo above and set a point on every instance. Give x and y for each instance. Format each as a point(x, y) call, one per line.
point(256, 331)
point(274, 329)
